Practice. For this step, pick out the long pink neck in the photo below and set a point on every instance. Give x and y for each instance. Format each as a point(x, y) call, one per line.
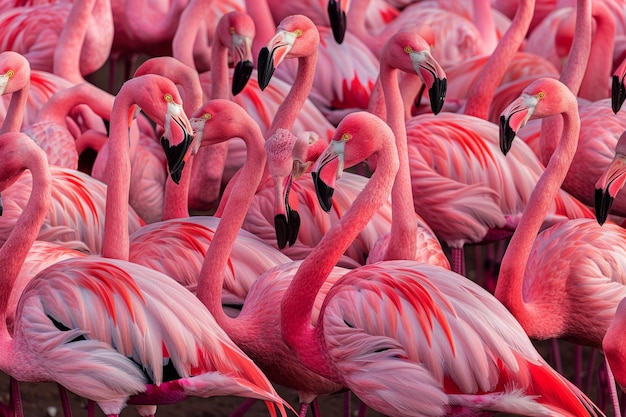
point(509, 287)
point(15, 113)
point(66, 61)
point(15, 249)
point(116, 242)
point(492, 73)
point(187, 30)
point(288, 110)
point(297, 303)
point(483, 19)
point(572, 76)
point(598, 70)
point(211, 278)
point(61, 104)
point(402, 239)
point(263, 23)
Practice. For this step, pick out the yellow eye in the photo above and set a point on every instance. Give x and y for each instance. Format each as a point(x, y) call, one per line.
point(346, 136)
point(10, 73)
point(232, 30)
point(408, 49)
point(541, 95)
point(298, 32)
point(206, 116)
point(168, 98)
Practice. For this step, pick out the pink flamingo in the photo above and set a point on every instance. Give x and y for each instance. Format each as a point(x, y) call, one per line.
point(534, 268)
point(181, 352)
point(256, 329)
point(35, 31)
point(398, 327)
point(15, 80)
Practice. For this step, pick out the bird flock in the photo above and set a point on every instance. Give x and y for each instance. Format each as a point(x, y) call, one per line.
point(389, 198)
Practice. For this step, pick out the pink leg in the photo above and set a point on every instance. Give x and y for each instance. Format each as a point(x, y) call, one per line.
point(243, 407)
point(556, 356)
point(612, 389)
point(91, 408)
point(16, 399)
point(65, 401)
point(347, 404)
point(362, 410)
point(303, 409)
point(458, 261)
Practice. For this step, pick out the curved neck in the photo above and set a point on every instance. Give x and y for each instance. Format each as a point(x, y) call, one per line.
point(292, 104)
point(572, 76)
point(15, 113)
point(211, 278)
point(491, 75)
point(66, 61)
point(402, 239)
point(61, 103)
point(263, 23)
point(116, 241)
point(15, 249)
point(297, 303)
point(219, 70)
point(187, 30)
point(509, 287)
point(483, 19)
point(595, 85)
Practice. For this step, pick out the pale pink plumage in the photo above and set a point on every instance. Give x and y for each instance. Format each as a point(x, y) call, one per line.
point(396, 327)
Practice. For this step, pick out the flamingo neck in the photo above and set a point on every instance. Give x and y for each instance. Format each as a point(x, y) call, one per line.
point(66, 61)
point(297, 303)
point(61, 104)
point(211, 278)
point(572, 76)
point(600, 61)
point(15, 112)
point(116, 239)
point(288, 110)
point(15, 249)
point(510, 279)
point(491, 75)
point(483, 19)
point(402, 238)
point(187, 29)
point(264, 24)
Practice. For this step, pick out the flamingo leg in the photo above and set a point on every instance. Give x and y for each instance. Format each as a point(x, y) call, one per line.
point(303, 409)
point(243, 407)
point(612, 389)
point(458, 260)
point(65, 401)
point(16, 399)
point(347, 405)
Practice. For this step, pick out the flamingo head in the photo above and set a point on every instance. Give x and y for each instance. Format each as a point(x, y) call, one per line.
point(14, 72)
point(284, 168)
point(611, 182)
point(515, 116)
point(409, 43)
point(296, 37)
point(337, 10)
point(236, 30)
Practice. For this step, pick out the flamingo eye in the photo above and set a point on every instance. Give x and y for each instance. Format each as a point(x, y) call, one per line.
point(408, 49)
point(346, 137)
point(206, 116)
point(541, 95)
point(298, 32)
point(232, 30)
point(10, 73)
point(168, 97)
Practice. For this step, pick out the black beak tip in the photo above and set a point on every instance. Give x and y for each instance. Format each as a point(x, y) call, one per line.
point(294, 226)
point(265, 68)
point(282, 230)
point(507, 135)
point(338, 21)
point(241, 75)
point(175, 156)
point(437, 94)
point(618, 94)
point(1, 206)
point(324, 192)
point(602, 205)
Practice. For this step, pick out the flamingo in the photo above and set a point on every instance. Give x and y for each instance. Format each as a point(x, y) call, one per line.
point(534, 267)
point(15, 80)
point(68, 324)
point(256, 329)
point(398, 327)
point(618, 91)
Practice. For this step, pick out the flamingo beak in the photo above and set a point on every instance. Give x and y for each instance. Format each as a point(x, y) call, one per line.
point(176, 140)
point(242, 53)
point(325, 184)
point(287, 220)
point(618, 93)
point(513, 118)
point(607, 187)
point(272, 55)
point(433, 76)
point(1, 206)
point(337, 16)
point(4, 81)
